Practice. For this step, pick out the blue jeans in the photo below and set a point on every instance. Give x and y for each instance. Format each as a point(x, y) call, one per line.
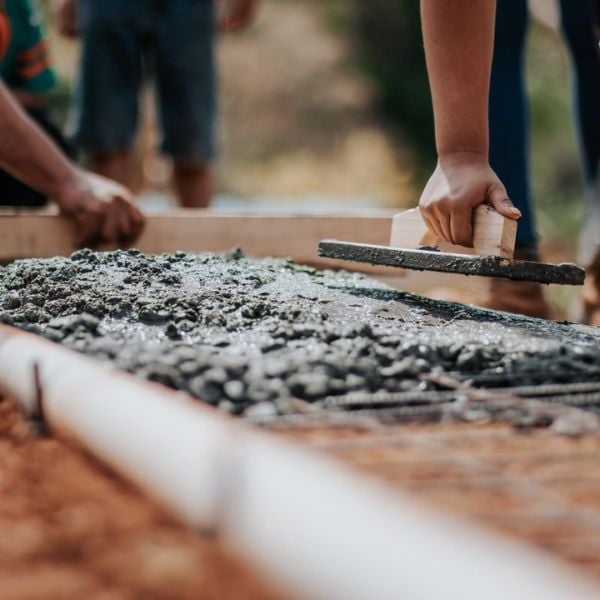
point(509, 121)
point(128, 41)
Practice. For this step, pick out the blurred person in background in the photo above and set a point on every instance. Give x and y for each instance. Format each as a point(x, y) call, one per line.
point(171, 41)
point(509, 128)
point(102, 209)
point(26, 70)
point(589, 243)
point(508, 153)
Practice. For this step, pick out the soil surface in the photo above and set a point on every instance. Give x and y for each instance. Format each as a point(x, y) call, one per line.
point(256, 336)
point(540, 488)
point(72, 530)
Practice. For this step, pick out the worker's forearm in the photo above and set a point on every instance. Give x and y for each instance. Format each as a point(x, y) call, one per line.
point(28, 153)
point(459, 39)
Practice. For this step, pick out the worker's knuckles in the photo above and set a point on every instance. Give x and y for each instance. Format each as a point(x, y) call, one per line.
point(442, 207)
point(434, 206)
point(90, 208)
point(464, 239)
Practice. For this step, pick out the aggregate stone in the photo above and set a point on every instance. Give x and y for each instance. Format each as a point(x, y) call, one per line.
point(240, 333)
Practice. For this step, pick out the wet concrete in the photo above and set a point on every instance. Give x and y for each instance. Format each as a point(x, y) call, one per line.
point(253, 335)
point(429, 259)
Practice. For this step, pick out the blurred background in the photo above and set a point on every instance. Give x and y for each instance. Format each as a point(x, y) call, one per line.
point(325, 106)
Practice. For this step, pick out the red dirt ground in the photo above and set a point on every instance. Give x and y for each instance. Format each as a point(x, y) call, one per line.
point(536, 486)
point(72, 530)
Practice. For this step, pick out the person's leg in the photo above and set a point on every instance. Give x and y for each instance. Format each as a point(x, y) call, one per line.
point(577, 24)
point(185, 75)
point(109, 81)
point(193, 185)
point(577, 20)
point(509, 122)
point(509, 155)
point(117, 165)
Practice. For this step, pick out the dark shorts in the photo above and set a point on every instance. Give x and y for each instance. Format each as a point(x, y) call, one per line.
point(124, 42)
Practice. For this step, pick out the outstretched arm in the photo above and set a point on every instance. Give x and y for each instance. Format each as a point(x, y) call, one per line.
point(102, 209)
point(459, 40)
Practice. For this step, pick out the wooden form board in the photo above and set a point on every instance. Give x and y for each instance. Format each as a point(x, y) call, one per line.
point(493, 234)
point(42, 235)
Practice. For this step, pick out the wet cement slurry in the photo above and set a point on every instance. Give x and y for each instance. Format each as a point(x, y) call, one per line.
point(251, 336)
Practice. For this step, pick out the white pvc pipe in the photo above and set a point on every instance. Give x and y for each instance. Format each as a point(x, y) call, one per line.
point(161, 440)
point(318, 528)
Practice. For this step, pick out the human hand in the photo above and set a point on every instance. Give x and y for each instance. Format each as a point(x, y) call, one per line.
point(102, 209)
point(237, 14)
point(460, 182)
point(64, 13)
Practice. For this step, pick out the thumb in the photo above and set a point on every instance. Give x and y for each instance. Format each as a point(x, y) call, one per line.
point(499, 199)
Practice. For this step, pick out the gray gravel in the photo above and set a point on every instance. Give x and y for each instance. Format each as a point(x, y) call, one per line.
point(253, 335)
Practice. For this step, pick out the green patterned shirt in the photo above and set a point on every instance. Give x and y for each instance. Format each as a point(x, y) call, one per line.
point(24, 62)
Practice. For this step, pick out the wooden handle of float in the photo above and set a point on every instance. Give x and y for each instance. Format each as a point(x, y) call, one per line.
point(493, 234)
point(430, 239)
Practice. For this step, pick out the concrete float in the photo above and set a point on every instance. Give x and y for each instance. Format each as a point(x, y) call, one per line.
point(315, 527)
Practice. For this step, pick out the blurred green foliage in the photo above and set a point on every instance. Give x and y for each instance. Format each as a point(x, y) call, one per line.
point(389, 49)
point(388, 33)
point(555, 161)
point(59, 101)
